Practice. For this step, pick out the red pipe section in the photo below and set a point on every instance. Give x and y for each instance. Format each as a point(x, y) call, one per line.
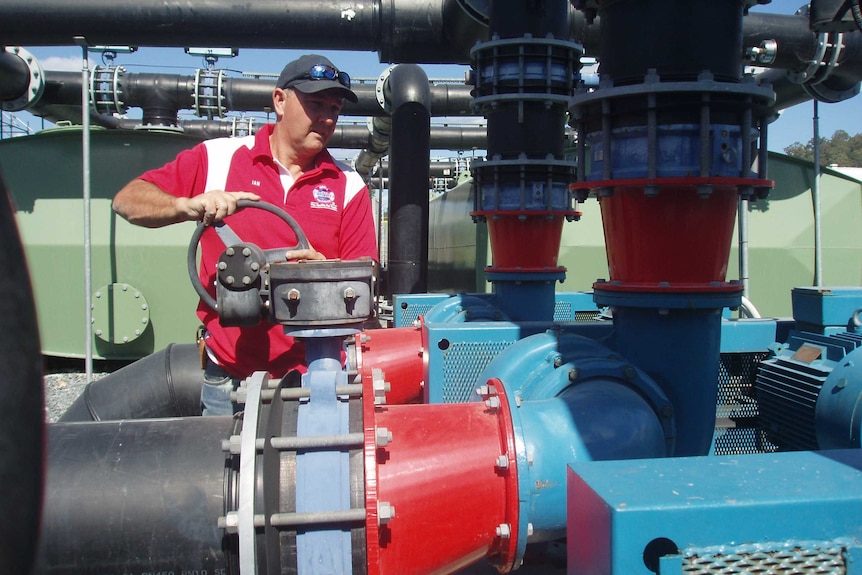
point(399, 353)
point(675, 241)
point(525, 241)
point(449, 472)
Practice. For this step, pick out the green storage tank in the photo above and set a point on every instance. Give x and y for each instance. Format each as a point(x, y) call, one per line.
point(142, 299)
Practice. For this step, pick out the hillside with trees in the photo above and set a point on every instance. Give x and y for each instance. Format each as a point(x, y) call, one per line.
point(842, 150)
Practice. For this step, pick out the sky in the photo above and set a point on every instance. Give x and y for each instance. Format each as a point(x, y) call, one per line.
point(794, 125)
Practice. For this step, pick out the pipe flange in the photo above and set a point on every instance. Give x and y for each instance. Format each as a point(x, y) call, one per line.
point(209, 94)
point(825, 60)
point(824, 93)
point(382, 91)
point(36, 86)
point(106, 94)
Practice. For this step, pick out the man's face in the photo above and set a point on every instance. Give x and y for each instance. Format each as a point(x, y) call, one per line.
point(310, 118)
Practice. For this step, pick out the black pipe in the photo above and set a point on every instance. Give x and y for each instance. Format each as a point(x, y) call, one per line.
point(163, 384)
point(22, 426)
point(14, 76)
point(795, 42)
point(406, 31)
point(135, 497)
point(347, 136)
point(410, 151)
point(710, 32)
point(176, 92)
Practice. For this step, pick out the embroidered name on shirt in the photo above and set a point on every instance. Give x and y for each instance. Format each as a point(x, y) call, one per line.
point(324, 198)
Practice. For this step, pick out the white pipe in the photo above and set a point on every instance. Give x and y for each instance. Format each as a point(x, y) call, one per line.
point(85, 137)
point(815, 196)
point(742, 224)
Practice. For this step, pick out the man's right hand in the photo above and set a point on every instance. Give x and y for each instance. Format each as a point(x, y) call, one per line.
point(213, 206)
point(145, 204)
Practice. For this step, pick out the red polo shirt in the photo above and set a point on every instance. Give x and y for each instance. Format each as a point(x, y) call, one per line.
point(330, 202)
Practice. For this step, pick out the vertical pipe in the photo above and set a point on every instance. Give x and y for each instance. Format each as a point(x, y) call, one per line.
point(410, 145)
point(85, 154)
point(742, 233)
point(815, 197)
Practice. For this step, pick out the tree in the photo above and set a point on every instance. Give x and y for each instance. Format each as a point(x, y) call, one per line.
point(842, 150)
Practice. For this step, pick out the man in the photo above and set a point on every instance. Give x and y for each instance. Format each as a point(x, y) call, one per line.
point(286, 164)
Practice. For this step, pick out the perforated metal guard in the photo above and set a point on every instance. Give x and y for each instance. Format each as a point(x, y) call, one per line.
point(463, 364)
point(566, 311)
point(798, 561)
point(586, 315)
point(737, 428)
point(412, 312)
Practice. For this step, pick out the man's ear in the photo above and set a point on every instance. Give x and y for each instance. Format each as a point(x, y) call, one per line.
point(279, 97)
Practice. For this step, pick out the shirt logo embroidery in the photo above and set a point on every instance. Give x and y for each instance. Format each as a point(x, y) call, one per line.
point(324, 198)
point(255, 183)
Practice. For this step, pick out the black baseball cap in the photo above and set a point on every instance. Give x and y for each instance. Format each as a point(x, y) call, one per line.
point(313, 73)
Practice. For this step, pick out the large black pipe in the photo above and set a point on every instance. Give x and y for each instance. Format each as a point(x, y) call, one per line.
point(62, 96)
point(699, 43)
point(163, 384)
point(409, 155)
point(22, 426)
point(796, 45)
point(406, 31)
point(347, 136)
point(134, 497)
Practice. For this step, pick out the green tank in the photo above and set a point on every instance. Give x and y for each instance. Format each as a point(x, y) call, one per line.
point(142, 299)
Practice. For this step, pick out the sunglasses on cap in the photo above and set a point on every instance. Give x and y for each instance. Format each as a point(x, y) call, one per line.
point(323, 72)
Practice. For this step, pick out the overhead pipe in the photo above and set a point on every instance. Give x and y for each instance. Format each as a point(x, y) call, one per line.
point(792, 48)
point(347, 136)
point(406, 31)
point(62, 96)
point(411, 31)
point(262, 26)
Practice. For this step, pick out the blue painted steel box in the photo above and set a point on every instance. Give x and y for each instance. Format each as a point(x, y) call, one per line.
point(825, 307)
point(789, 512)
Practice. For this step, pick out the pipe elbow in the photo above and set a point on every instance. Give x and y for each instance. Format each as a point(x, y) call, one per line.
point(408, 83)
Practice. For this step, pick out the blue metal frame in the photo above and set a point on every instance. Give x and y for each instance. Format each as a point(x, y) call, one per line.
point(716, 508)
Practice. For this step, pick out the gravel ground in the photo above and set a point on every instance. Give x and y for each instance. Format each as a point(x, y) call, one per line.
point(65, 380)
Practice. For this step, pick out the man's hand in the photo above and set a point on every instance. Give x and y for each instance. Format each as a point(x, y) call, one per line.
point(306, 254)
point(213, 206)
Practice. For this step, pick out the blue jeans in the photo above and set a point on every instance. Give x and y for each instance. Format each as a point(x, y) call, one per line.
point(215, 393)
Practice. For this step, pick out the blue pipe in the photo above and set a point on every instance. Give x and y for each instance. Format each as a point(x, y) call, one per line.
point(676, 339)
point(573, 399)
